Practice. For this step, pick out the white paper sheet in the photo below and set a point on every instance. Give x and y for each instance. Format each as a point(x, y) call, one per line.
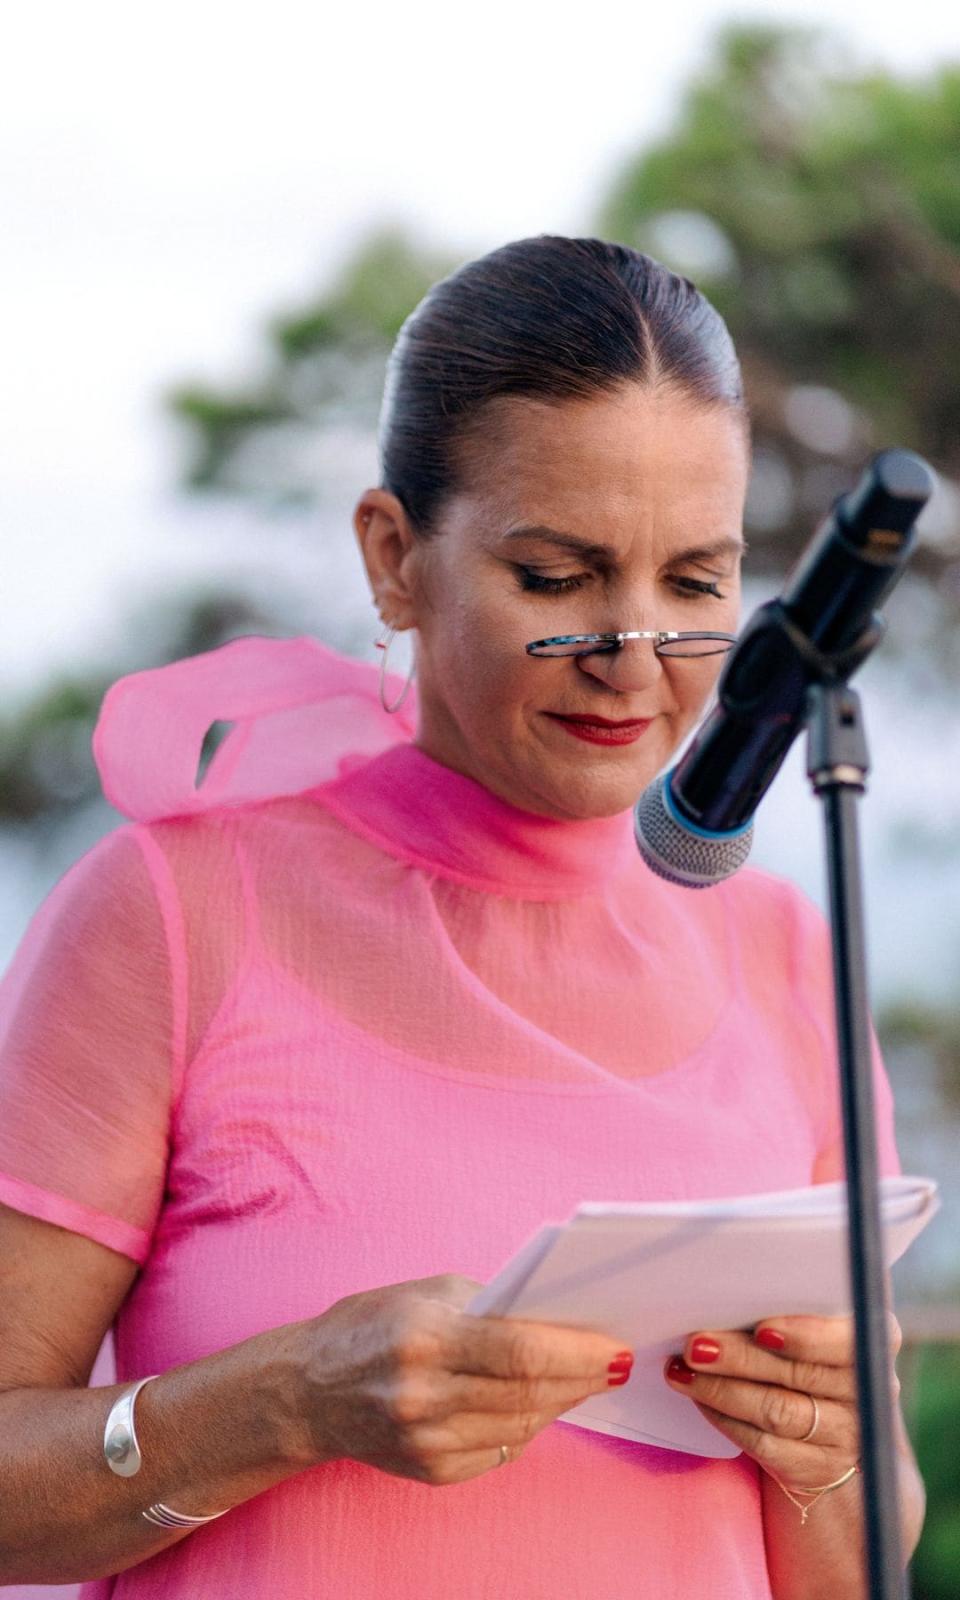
point(651, 1273)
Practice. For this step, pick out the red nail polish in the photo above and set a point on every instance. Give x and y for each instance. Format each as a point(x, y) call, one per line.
point(770, 1339)
point(621, 1364)
point(677, 1368)
point(617, 1382)
point(704, 1350)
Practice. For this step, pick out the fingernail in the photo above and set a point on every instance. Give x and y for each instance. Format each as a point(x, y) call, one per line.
point(704, 1350)
point(621, 1367)
point(770, 1339)
point(677, 1368)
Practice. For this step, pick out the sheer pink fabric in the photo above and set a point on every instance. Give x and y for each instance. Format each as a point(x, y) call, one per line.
point(341, 1017)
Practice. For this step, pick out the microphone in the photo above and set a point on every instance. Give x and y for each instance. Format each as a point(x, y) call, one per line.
point(694, 824)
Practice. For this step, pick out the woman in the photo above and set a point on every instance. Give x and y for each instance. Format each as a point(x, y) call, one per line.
point(294, 1061)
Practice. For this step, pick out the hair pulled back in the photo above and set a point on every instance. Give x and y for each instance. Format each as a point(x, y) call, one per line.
point(548, 317)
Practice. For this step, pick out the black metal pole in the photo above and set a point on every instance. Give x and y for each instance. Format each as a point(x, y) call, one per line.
point(837, 764)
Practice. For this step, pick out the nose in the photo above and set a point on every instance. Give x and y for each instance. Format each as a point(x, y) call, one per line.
point(634, 667)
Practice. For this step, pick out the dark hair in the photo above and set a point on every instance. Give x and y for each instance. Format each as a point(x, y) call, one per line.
point(548, 317)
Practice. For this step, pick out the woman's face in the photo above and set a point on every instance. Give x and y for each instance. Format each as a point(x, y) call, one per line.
point(651, 476)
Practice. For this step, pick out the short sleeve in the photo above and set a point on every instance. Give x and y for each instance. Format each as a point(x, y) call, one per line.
point(88, 1023)
point(813, 972)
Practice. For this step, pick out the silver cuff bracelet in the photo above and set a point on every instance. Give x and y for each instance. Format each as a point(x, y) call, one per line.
point(121, 1449)
point(120, 1444)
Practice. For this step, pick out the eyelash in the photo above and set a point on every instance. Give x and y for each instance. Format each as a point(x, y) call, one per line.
point(538, 583)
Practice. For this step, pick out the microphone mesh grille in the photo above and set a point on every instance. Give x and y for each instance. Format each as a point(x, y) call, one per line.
point(678, 855)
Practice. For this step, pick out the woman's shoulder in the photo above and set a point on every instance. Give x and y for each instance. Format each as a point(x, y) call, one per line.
point(770, 893)
point(220, 869)
point(776, 924)
point(220, 835)
point(783, 938)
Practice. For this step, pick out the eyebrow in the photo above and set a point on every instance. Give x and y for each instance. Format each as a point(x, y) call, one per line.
point(592, 551)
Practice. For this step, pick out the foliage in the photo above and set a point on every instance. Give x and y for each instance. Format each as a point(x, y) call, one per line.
point(909, 1026)
point(326, 363)
point(820, 211)
point(46, 763)
point(934, 1429)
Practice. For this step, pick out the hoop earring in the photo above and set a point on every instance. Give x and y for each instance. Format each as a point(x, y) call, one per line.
point(384, 645)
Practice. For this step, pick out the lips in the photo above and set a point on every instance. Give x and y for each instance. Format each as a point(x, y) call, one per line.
point(599, 730)
point(600, 722)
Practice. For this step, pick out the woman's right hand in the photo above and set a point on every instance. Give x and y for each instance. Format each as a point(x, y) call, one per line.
point(401, 1378)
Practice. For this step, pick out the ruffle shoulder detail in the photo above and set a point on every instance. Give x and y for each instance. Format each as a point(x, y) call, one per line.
point(302, 714)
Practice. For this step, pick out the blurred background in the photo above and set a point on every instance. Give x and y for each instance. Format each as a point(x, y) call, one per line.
point(214, 221)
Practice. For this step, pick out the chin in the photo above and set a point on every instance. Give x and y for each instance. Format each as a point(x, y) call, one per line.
point(603, 795)
point(585, 782)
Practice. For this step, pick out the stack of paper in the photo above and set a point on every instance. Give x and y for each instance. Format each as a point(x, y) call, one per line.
point(651, 1273)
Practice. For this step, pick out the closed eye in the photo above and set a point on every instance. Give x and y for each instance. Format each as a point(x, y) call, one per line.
point(540, 583)
point(697, 586)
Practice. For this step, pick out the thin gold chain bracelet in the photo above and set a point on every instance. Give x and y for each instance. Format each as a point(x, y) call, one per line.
point(803, 1509)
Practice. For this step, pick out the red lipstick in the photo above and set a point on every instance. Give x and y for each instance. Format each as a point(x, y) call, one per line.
point(601, 730)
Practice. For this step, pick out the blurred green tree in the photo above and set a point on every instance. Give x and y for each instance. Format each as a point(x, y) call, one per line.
point(935, 1568)
point(325, 369)
point(820, 211)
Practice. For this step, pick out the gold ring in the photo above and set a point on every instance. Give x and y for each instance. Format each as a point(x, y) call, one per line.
point(813, 1426)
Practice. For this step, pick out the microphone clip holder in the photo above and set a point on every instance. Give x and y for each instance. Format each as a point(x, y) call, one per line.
point(828, 666)
point(837, 755)
point(759, 715)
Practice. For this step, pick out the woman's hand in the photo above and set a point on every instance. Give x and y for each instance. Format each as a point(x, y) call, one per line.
point(402, 1379)
point(760, 1397)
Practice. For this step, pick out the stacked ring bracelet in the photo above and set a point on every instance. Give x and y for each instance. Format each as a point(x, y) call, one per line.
point(165, 1518)
point(821, 1489)
point(121, 1449)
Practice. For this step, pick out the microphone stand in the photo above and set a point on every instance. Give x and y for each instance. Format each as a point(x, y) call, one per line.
point(786, 673)
point(837, 764)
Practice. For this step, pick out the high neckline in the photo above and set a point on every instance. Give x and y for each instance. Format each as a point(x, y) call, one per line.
point(414, 807)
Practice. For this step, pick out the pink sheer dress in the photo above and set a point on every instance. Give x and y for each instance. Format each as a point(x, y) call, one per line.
point(341, 1017)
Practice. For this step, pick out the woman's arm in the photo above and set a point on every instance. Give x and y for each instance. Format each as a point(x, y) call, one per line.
point(825, 1558)
point(758, 1394)
point(212, 1432)
point(397, 1377)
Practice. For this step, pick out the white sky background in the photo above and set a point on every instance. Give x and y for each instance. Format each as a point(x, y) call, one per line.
point(171, 177)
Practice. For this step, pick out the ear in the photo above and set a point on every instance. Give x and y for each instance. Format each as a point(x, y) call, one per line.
point(390, 554)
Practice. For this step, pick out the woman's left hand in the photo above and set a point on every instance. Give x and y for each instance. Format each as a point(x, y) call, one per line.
point(761, 1398)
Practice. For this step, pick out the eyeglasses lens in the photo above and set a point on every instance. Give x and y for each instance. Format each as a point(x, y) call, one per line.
point(696, 646)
